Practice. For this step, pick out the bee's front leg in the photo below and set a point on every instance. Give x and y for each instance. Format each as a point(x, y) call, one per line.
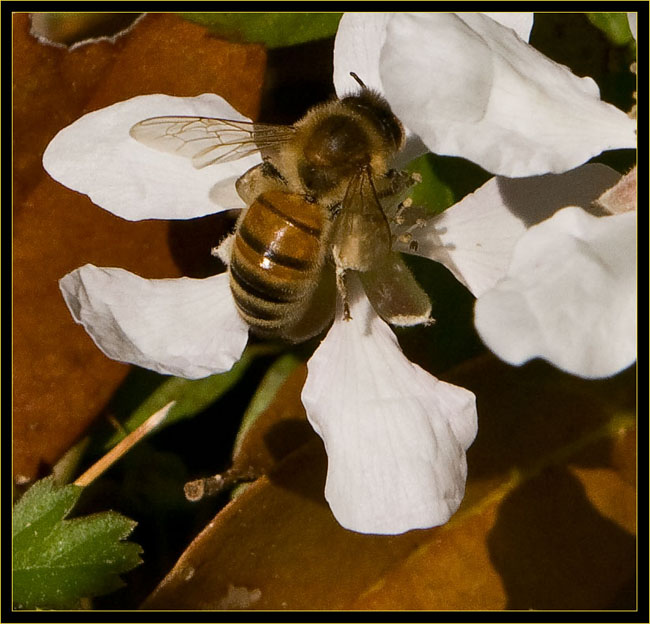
point(396, 183)
point(343, 292)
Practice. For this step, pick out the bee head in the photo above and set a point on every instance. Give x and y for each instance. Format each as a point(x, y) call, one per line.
point(374, 107)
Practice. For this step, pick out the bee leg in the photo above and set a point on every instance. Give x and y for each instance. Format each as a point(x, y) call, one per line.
point(343, 292)
point(257, 179)
point(397, 182)
point(399, 217)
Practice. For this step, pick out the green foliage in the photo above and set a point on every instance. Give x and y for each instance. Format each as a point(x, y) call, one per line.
point(275, 376)
point(57, 562)
point(274, 30)
point(614, 25)
point(191, 395)
point(445, 180)
point(432, 192)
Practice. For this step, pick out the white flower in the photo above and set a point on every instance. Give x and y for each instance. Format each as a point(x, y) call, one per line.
point(395, 436)
point(569, 295)
point(468, 86)
point(190, 328)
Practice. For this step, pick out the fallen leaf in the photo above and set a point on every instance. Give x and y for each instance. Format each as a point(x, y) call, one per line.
point(279, 429)
point(73, 28)
point(61, 380)
point(51, 86)
point(545, 523)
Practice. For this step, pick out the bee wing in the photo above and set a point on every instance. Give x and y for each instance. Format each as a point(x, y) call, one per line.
point(362, 234)
point(207, 141)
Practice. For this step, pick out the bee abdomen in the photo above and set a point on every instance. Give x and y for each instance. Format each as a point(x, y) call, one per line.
point(276, 258)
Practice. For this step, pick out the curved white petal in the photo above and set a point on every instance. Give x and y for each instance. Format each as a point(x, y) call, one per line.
point(471, 87)
point(358, 43)
point(569, 296)
point(521, 23)
point(357, 48)
point(631, 20)
point(96, 155)
point(184, 327)
point(395, 435)
point(475, 238)
point(360, 37)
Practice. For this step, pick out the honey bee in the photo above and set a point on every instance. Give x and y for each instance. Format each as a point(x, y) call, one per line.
point(318, 206)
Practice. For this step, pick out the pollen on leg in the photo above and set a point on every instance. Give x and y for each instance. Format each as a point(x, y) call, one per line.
point(343, 292)
point(223, 250)
point(399, 218)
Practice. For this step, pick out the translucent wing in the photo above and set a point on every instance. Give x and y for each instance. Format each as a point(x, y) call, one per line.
point(362, 236)
point(208, 141)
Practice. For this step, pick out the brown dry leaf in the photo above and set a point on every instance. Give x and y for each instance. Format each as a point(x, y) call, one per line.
point(72, 28)
point(61, 380)
point(278, 431)
point(546, 523)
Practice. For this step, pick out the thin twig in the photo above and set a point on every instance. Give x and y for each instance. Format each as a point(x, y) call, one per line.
point(122, 447)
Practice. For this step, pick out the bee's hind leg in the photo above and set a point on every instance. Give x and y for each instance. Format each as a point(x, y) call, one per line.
point(223, 250)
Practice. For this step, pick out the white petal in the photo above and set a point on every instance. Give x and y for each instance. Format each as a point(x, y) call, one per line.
point(395, 435)
point(521, 23)
point(475, 238)
point(631, 20)
point(569, 296)
point(470, 87)
point(97, 156)
point(359, 39)
point(357, 47)
point(184, 327)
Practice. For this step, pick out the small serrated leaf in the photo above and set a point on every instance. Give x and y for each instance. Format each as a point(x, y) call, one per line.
point(57, 562)
point(41, 507)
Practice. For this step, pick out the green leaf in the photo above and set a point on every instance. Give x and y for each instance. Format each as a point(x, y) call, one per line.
point(432, 192)
point(445, 180)
point(275, 376)
point(614, 25)
point(191, 395)
point(57, 562)
point(272, 29)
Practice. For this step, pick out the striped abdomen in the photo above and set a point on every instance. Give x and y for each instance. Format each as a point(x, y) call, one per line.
point(276, 260)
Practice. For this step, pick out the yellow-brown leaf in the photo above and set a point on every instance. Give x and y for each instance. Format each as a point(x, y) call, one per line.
point(61, 380)
point(546, 522)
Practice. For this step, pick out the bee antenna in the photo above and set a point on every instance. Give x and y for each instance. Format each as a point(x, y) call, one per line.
point(363, 86)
